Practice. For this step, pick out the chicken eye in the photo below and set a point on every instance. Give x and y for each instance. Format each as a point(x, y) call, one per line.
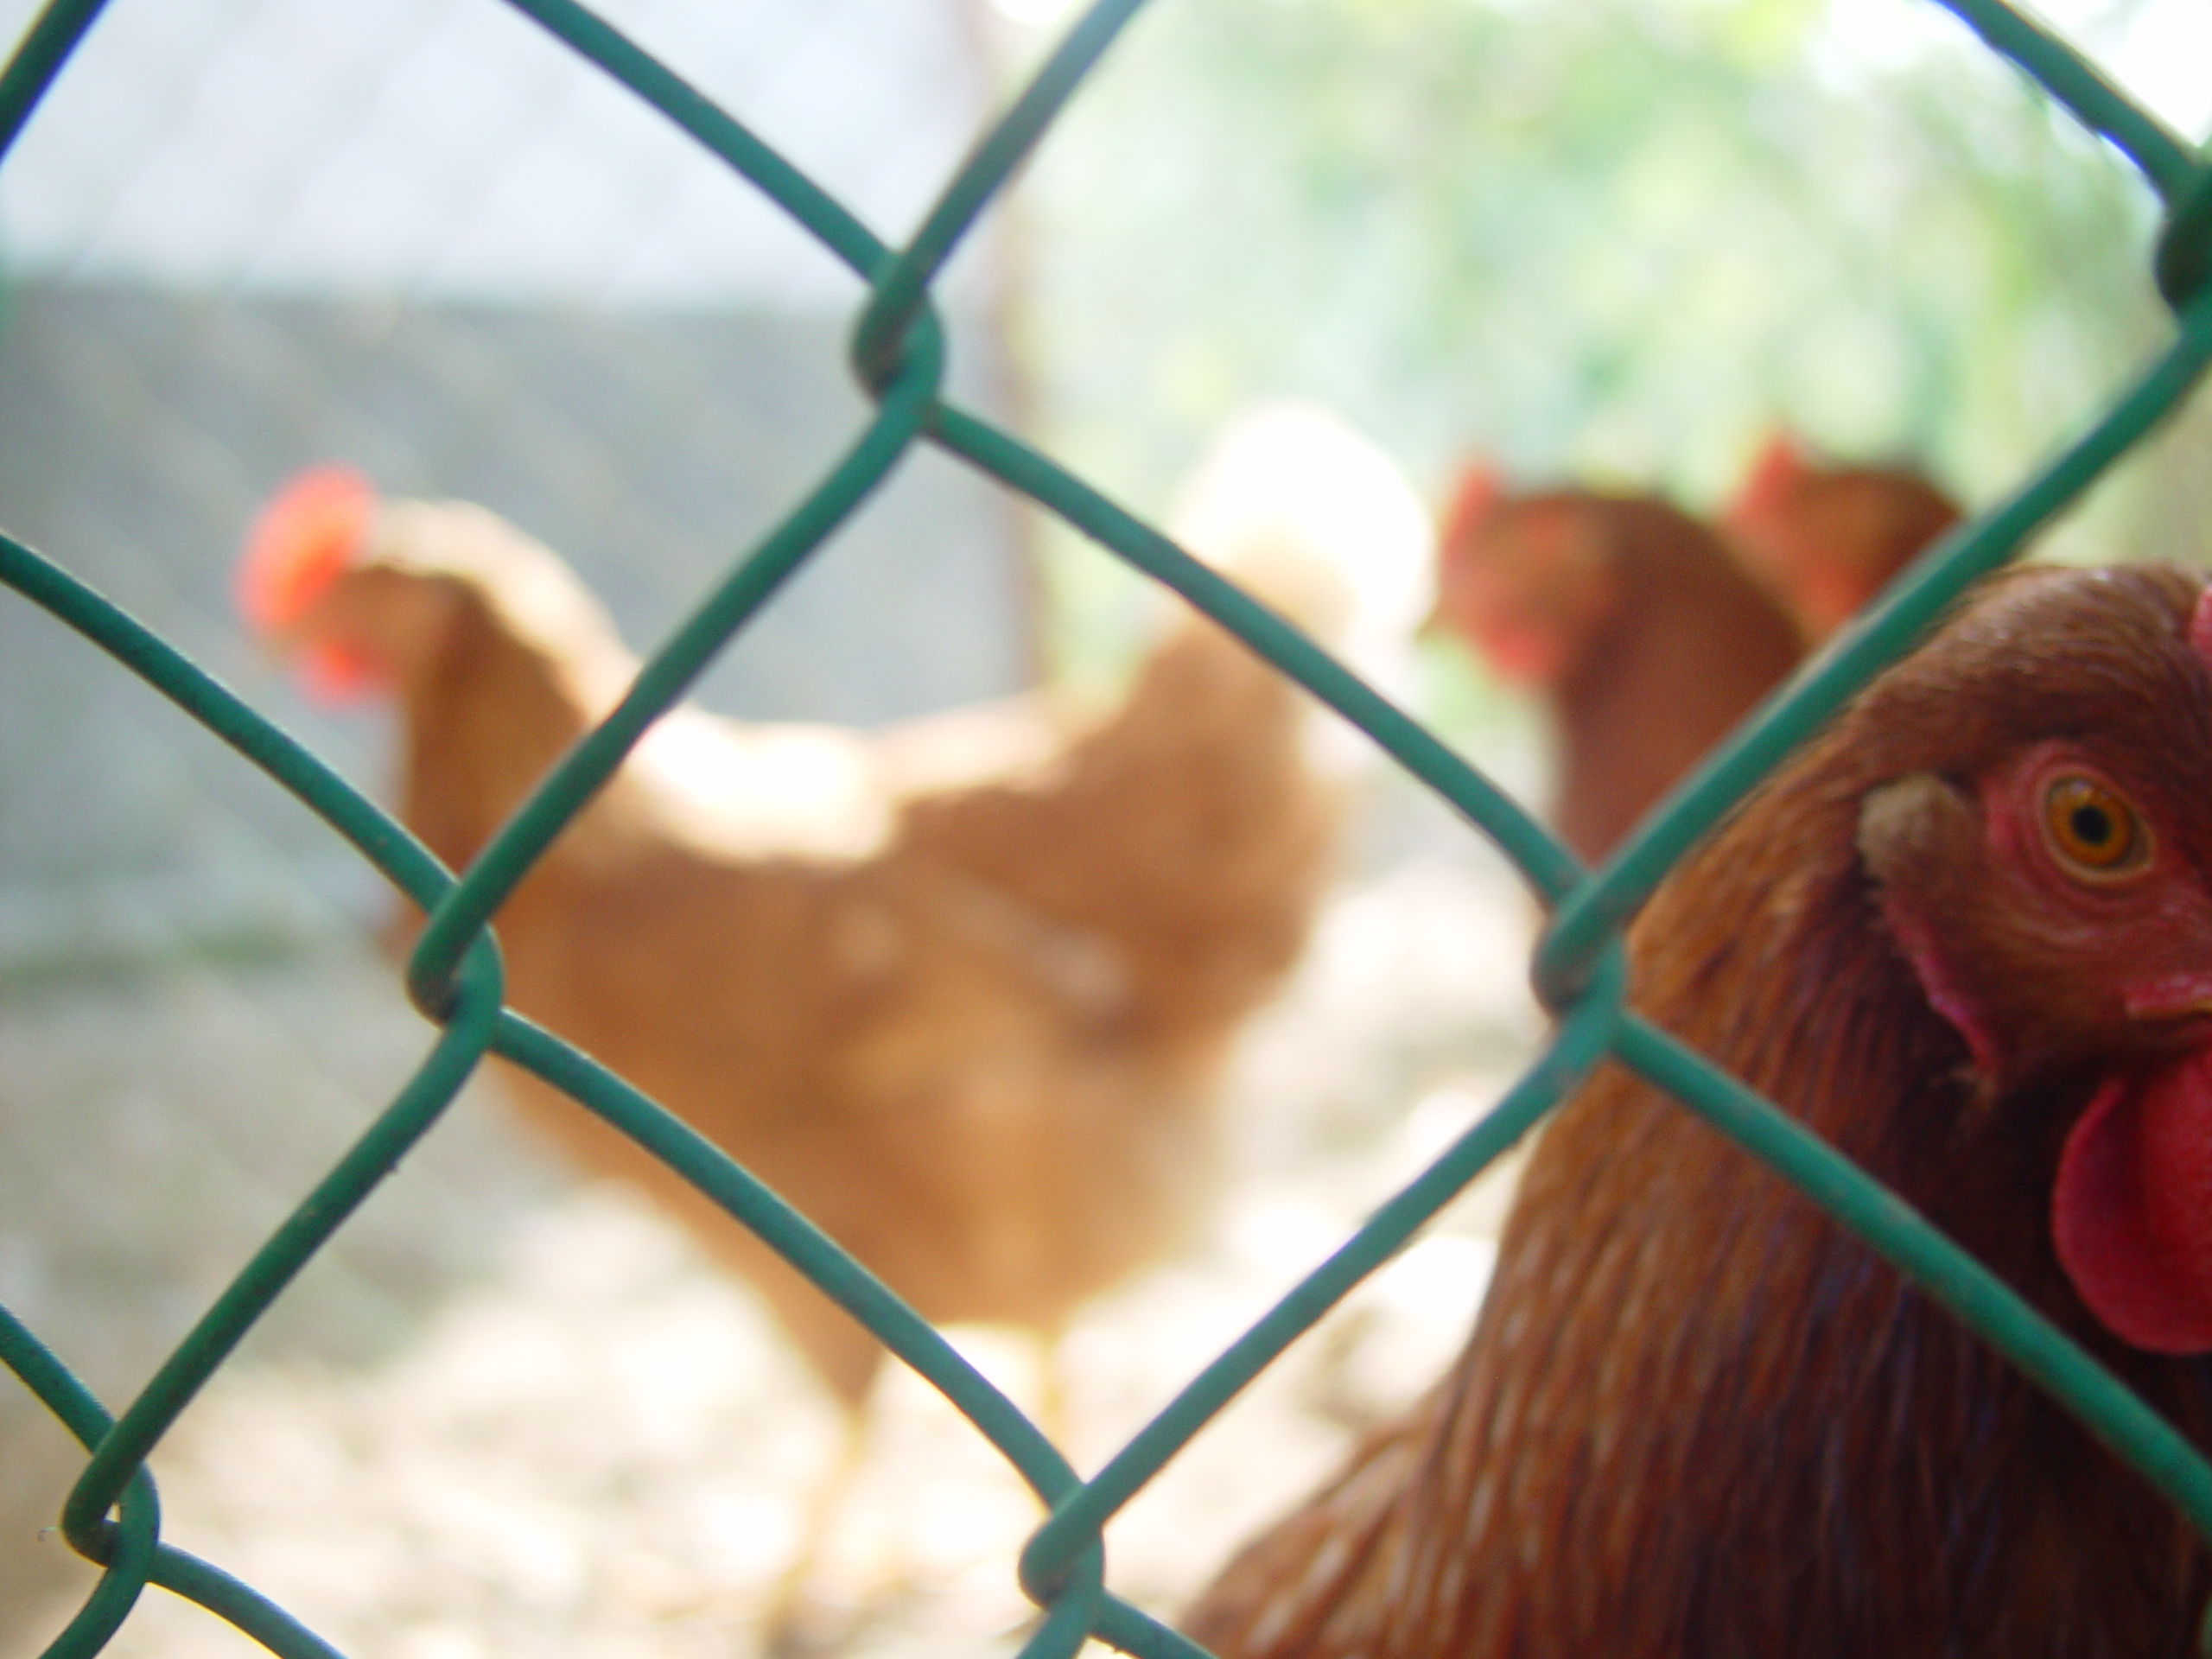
point(2094, 829)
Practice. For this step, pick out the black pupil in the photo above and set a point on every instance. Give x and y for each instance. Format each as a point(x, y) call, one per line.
point(2093, 826)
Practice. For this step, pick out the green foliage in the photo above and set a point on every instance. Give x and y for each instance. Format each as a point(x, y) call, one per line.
point(1610, 239)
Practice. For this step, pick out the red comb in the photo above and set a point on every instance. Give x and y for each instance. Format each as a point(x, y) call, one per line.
point(1474, 498)
point(311, 529)
point(1775, 475)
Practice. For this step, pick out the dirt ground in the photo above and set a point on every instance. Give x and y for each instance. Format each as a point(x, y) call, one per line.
point(514, 1414)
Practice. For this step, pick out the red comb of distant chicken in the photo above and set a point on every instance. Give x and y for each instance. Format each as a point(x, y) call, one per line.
point(1778, 473)
point(311, 529)
point(1480, 492)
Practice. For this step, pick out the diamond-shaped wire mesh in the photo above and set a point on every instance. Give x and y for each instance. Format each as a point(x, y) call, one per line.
point(898, 351)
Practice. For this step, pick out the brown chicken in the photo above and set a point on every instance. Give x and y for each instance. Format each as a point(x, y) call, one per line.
point(1826, 540)
point(1647, 641)
point(962, 990)
point(1966, 935)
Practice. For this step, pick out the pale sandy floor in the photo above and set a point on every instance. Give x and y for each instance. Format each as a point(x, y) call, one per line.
point(516, 1415)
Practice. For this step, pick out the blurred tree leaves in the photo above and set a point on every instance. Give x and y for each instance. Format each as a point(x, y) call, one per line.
point(1613, 239)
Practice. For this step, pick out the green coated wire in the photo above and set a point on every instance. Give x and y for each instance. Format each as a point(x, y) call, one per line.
point(898, 349)
point(559, 1063)
point(2182, 263)
point(38, 57)
point(372, 832)
point(1886, 1222)
point(1120, 1625)
point(1073, 1614)
point(908, 388)
point(2088, 95)
point(132, 1557)
point(900, 288)
point(1548, 866)
point(245, 1609)
point(1592, 914)
point(1577, 1047)
point(803, 1244)
point(453, 924)
point(126, 1549)
point(123, 1449)
point(599, 42)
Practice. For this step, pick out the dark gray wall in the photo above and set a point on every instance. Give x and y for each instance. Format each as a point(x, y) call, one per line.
point(139, 430)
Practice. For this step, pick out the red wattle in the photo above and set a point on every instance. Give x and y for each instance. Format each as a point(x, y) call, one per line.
point(1519, 655)
point(2132, 1213)
point(332, 675)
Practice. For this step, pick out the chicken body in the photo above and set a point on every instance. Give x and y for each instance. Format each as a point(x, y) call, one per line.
point(961, 991)
point(1825, 539)
point(1647, 641)
point(1967, 936)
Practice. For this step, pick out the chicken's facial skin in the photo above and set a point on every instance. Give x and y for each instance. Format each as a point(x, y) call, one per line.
point(2047, 911)
point(2053, 919)
point(2046, 880)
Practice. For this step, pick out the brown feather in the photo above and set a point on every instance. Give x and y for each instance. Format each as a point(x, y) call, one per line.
point(1826, 540)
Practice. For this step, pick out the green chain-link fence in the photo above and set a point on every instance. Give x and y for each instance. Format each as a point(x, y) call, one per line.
point(112, 1513)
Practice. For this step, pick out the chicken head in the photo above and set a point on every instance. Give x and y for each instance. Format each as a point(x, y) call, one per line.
point(2053, 902)
point(1825, 538)
point(1526, 579)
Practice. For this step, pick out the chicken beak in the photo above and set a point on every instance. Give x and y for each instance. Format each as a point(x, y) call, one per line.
point(2170, 997)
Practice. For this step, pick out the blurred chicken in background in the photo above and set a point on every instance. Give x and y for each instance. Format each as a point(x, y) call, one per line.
point(1825, 539)
point(1645, 640)
point(961, 989)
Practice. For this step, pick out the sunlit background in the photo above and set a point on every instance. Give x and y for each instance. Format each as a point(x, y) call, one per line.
point(1611, 241)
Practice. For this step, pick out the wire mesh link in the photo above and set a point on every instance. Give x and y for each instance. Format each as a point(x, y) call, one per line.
point(2094, 101)
point(898, 352)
